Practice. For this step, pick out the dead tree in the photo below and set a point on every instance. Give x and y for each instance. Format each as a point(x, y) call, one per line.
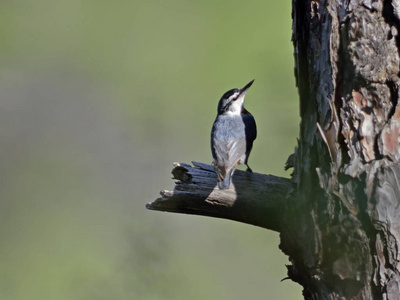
point(339, 216)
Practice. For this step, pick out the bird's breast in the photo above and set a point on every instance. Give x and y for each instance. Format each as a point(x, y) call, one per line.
point(228, 127)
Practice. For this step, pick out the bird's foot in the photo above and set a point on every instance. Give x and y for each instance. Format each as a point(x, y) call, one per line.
point(249, 169)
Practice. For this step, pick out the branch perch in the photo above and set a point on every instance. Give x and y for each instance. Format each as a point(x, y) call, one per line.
point(253, 198)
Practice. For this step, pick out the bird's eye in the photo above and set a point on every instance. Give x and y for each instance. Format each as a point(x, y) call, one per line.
point(235, 96)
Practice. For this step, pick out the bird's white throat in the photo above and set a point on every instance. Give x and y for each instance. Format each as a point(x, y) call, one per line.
point(235, 108)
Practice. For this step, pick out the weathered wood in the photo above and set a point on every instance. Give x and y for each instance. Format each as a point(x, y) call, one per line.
point(253, 198)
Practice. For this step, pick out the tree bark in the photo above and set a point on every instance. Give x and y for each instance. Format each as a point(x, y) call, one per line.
point(339, 218)
point(346, 170)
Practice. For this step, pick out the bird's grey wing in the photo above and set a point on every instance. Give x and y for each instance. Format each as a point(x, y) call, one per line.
point(228, 154)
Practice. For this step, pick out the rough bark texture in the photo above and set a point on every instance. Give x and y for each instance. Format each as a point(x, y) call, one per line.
point(342, 233)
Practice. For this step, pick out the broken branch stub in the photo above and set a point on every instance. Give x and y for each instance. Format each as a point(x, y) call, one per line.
point(253, 198)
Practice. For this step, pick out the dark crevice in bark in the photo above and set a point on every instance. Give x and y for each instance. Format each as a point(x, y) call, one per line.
point(346, 73)
point(378, 155)
point(392, 20)
point(300, 40)
point(394, 97)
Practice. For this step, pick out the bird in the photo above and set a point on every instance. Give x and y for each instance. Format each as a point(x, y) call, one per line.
point(232, 135)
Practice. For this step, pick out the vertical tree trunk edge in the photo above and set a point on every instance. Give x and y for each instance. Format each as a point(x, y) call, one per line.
point(342, 232)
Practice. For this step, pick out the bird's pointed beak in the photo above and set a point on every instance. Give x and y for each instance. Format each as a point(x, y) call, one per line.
point(246, 87)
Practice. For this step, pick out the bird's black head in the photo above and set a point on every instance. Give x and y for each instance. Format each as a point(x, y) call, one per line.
point(232, 100)
point(227, 99)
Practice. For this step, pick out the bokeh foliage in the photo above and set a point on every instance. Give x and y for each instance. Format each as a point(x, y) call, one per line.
point(98, 99)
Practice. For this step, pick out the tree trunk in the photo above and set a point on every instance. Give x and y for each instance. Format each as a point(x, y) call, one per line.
point(342, 232)
point(340, 221)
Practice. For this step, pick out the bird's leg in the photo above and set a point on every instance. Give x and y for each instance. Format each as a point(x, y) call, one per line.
point(249, 169)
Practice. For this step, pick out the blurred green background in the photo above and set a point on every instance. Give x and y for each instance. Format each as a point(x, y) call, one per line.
point(98, 98)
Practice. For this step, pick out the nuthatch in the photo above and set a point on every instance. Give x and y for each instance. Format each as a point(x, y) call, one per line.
point(232, 136)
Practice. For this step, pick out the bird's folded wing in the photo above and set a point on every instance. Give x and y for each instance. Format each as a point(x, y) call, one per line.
point(249, 126)
point(228, 154)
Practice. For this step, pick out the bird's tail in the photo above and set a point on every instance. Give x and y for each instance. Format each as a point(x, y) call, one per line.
point(226, 182)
